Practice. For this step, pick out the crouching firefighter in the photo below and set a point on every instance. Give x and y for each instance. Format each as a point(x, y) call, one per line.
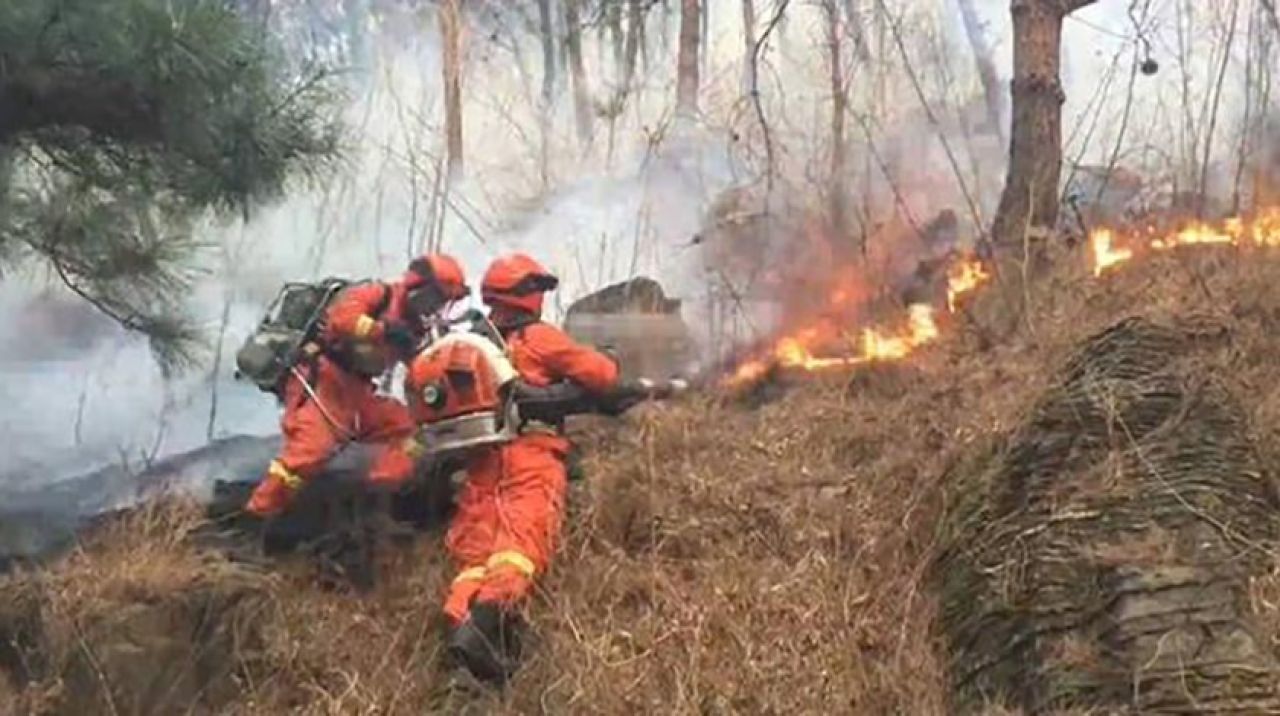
point(320, 349)
point(511, 506)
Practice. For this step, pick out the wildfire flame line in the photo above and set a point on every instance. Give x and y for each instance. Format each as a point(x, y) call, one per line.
point(881, 343)
point(870, 344)
point(1262, 230)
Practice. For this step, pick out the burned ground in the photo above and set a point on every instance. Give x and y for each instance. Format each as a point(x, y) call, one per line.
point(787, 553)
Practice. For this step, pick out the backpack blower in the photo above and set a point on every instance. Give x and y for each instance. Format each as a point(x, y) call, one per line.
point(465, 394)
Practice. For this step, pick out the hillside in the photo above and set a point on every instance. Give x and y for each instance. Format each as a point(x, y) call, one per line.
point(770, 550)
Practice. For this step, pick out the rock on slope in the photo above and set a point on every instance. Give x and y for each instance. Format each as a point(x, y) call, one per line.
point(1105, 556)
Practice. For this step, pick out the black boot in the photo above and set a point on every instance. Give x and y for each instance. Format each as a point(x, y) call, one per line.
point(487, 643)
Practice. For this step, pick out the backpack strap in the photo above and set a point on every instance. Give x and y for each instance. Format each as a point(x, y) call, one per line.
point(383, 303)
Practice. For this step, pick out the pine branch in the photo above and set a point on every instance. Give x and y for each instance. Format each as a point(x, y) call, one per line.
point(124, 121)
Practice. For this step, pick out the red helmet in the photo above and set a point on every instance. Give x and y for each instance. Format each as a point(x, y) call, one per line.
point(516, 281)
point(433, 281)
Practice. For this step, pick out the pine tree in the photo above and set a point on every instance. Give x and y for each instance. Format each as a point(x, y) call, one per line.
point(124, 121)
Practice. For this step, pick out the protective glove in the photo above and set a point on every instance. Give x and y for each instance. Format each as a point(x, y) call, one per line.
point(399, 337)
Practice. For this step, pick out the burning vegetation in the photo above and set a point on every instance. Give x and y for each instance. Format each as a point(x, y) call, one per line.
point(824, 343)
point(1109, 248)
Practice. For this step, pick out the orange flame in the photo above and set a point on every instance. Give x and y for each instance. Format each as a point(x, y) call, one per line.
point(920, 329)
point(1104, 256)
point(962, 278)
point(874, 343)
point(895, 342)
point(1262, 230)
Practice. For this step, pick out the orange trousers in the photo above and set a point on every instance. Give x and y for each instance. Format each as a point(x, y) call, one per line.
point(507, 524)
point(314, 430)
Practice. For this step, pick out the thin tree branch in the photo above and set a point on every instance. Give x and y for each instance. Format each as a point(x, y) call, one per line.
point(896, 31)
point(778, 10)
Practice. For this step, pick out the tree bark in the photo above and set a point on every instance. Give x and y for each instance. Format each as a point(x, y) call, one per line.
point(687, 59)
point(985, 59)
point(1029, 204)
point(451, 30)
point(837, 200)
point(577, 70)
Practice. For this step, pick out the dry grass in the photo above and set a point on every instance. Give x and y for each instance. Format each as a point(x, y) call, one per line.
point(720, 559)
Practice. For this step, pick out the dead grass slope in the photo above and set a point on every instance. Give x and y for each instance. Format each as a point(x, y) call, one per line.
point(718, 559)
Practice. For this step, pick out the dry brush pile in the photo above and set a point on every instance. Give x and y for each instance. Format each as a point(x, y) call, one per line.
point(722, 555)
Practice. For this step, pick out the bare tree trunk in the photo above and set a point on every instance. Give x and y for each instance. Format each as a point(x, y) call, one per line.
point(665, 26)
point(1029, 204)
point(983, 55)
point(635, 38)
point(1269, 7)
point(687, 59)
point(451, 29)
point(1262, 181)
point(548, 36)
point(1190, 136)
point(853, 21)
point(1213, 112)
point(783, 23)
point(704, 23)
point(837, 200)
point(577, 70)
point(749, 41)
point(1244, 148)
point(640, 13)
point(613, 15)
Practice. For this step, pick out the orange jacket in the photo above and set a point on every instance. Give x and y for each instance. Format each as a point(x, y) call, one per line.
point(544, 354)
point(356, 322)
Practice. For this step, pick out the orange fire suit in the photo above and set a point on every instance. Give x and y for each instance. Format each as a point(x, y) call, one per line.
point(512, 504)
point(340, 369)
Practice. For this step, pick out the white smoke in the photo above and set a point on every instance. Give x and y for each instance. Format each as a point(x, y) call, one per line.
point(627, 205)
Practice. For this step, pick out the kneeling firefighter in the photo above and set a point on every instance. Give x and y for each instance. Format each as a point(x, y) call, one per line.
point(327, 384)
point(512, 503)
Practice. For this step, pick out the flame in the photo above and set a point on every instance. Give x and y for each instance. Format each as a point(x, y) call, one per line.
point(890, 342)
point(893, 342)
point(1104, 257)
point(873, 344)
point(962, 278)
point(920, 329)
point(1262, 230)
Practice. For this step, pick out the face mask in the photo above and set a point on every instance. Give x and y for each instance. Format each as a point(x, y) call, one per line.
point(423, 301)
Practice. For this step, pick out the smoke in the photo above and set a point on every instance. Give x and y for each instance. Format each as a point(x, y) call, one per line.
point(83, 393)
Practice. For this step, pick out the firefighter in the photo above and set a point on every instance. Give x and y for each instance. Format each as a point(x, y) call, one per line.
point(511, 506)
point(329, 396)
